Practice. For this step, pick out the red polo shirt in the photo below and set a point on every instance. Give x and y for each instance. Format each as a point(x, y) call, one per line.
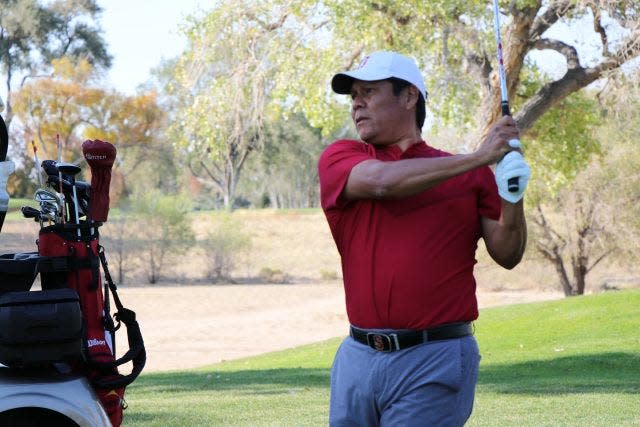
point(407, 263)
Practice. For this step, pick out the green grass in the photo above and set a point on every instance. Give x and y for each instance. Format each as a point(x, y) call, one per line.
point(574, 362)
point(14, 212)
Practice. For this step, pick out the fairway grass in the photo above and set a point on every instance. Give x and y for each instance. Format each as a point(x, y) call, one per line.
point(573, 362)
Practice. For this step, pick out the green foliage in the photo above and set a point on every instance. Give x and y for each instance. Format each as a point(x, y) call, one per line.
point(54, 29)
point(34, 33)
point(571, 362)
point(223, 245)
point(561, 144)
point(621, 165)
point(285, 173)
point(163, 229)
point(224, 83)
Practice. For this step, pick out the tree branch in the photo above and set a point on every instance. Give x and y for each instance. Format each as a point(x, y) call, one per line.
point(555, 10)
point(597, 261)
point(268, 27)
point(598, 28)
point(574, 80)
point(568, 51)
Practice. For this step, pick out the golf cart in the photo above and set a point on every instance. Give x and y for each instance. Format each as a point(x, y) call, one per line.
point(47, 397)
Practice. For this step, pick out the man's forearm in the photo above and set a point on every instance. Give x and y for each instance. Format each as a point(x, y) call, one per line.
point(508, 238)
point(378, 179)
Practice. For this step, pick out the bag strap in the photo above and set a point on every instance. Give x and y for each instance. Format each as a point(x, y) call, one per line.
point(137, 353)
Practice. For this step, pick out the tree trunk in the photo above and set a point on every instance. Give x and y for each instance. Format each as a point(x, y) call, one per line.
point(556, 259)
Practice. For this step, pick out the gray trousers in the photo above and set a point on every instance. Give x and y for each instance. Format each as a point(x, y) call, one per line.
point(431, 384)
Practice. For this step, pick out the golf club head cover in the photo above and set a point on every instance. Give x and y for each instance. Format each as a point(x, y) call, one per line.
point(100, 156)
point(6, 168)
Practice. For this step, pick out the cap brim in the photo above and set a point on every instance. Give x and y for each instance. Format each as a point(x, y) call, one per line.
point(341, 82)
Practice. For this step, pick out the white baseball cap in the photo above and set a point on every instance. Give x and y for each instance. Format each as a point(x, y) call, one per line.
point(380, 65)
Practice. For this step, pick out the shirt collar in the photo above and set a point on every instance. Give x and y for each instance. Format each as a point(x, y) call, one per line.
point(395, 153)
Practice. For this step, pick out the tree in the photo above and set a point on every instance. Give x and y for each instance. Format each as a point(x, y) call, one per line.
point(590, 212)
point(71, 104)
point(285, 174)
point(58, 105)
point(32, 34)
point(225, 81)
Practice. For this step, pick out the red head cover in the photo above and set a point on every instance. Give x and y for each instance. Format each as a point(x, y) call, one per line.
point(100, 156)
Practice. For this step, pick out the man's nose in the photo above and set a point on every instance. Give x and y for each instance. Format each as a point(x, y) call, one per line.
point(356, 102)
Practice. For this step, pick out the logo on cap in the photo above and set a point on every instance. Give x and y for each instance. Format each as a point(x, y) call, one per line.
point(363, 62)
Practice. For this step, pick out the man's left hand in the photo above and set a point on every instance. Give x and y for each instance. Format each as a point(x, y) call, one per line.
point(512, 165)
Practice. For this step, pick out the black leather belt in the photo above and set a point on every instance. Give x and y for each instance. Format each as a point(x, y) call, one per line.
point(398, 340)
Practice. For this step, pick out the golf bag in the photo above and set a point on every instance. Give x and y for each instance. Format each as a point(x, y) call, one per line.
point(84, 260)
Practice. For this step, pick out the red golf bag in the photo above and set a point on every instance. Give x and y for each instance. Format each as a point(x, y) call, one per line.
point(84, 259)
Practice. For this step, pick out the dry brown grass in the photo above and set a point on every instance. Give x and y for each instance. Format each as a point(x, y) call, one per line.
point(186, 321)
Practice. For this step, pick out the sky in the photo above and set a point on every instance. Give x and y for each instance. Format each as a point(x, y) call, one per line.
point(140, 34)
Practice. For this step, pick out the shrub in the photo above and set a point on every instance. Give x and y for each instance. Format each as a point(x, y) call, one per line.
point(269, 275)
point(223, 245)
point(328, 275)
point(163, 229)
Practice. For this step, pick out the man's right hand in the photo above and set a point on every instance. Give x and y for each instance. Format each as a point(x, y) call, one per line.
point(496, 144)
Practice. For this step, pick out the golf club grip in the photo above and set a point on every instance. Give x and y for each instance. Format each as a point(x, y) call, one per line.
point(513, 184)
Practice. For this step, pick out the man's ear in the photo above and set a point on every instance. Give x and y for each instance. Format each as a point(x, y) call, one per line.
point(412, 95)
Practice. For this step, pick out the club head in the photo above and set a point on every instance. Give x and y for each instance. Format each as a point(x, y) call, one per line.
point(83, 188)
point(51, 216)
point(44, 195)
point(50, 167)
point(47, 208)
point(69, 169)
point(29, 212)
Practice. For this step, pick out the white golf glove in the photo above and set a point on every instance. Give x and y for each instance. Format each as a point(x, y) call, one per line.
point(511, 166)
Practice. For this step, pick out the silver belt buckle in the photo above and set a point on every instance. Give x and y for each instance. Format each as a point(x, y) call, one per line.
point(383, 342)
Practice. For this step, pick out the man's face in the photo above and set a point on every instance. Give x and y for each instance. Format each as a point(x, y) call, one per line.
point(378, 114)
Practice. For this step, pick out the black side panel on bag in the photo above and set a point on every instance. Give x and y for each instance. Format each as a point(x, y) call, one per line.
point(18, 271)
point(40, 326)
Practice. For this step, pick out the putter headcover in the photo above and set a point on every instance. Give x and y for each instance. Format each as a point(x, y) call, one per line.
point(6, 168)
point(100, 156)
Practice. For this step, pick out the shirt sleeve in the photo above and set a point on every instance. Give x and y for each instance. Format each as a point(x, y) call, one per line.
point(489, 204)
point(334, 167)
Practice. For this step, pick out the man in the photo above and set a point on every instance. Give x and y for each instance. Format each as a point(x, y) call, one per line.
point(406, 219)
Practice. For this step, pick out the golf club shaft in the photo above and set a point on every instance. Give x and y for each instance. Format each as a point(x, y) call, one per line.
point(513, 183)
point(75, 205)
point(60, 174)
point(37, 162)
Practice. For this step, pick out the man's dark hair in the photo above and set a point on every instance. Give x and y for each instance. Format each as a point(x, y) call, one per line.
point(421, 112)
